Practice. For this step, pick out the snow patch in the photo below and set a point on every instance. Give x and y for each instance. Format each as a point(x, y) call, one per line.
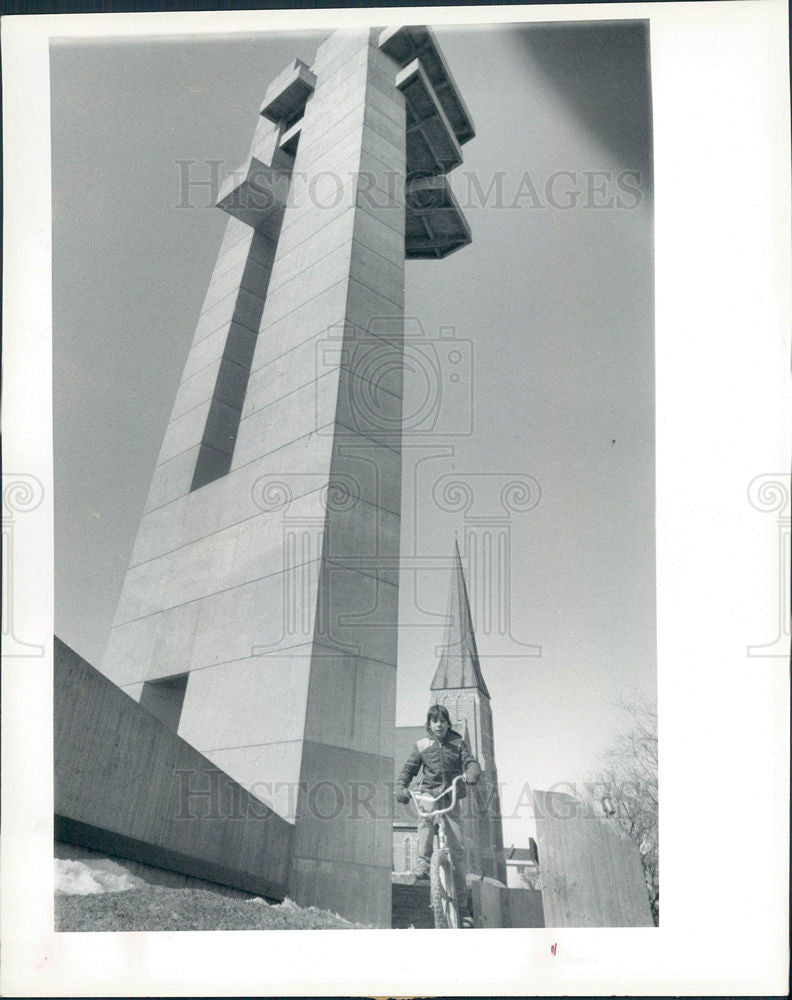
point(88, 878)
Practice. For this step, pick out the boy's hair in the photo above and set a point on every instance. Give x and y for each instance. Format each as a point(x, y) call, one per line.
point(437, 712)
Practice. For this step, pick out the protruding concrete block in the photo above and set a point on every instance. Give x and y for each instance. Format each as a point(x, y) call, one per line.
point(256, 193)
point(286, 95)
point(406, 43)
point(431, 145)
point(436, 226)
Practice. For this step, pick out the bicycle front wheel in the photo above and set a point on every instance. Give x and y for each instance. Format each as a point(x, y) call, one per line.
point(443, 893)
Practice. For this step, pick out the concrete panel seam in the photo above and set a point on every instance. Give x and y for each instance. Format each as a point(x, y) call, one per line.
point(387, 86)
point(235, 468)
point(295, 347)
point(234, 291)
point(361, 572)
point(398, 305)
point(354, 238)
point(314, 261)
point(373, 156)
point(203, 402)
point(385, 759)
point(271, 361)
point(291, 392)
point(364, 151)
point(244, 746)
point(244, 520)
point(281, 651)
point(364, 125)
point(226, 323)
point(356, 51)
point(336, 651)
point(244, 233)
point(305, 302)
point(215, 363)
point(316, 137)
point(215, 593)
point(346, 864)
point(354, 430)
point(304, 385)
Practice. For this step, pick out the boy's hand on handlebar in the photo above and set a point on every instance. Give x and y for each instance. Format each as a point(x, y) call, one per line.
point(469, 780)
point(402, 795)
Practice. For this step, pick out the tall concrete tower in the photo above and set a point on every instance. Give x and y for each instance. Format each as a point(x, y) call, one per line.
point(258, 616)
point(459, 685)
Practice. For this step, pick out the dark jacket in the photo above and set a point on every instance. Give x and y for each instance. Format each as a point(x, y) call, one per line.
point(441, 763)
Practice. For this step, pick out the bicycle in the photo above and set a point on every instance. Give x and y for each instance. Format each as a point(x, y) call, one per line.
point(445, 905)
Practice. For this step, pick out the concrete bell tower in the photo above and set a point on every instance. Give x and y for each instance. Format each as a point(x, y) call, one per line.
point(258, 616)
point(459, 685)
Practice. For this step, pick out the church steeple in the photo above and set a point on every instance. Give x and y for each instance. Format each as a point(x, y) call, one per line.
point(459, 685)
point(459, 663)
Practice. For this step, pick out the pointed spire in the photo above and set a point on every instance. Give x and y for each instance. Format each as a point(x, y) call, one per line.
point(459, 663)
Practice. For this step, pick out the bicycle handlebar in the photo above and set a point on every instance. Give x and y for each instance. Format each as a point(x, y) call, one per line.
point(435, 798)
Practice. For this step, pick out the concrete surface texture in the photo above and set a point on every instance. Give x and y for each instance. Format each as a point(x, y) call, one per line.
point(259, 612)
point(128, 786)
point(591, 871)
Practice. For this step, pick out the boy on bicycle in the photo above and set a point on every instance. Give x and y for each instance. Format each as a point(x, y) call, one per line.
point(440, 757)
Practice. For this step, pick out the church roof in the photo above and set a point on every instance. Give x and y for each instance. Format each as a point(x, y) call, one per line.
point(459, 663)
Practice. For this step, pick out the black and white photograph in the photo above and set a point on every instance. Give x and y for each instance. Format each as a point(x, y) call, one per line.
point(361, 423)
point(378, 449)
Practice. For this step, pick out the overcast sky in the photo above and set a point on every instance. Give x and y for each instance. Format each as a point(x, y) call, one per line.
point(552, 304)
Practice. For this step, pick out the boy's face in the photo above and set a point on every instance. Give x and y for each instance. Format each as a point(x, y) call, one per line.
point(439, 728)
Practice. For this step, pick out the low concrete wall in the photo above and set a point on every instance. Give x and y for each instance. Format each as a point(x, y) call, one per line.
point(525, 908)
point(496, 905)
point(128, 786)
point(591, 871)
point(489, 902)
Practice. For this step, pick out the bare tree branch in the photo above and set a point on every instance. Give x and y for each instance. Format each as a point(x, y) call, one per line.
point(628, 778)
